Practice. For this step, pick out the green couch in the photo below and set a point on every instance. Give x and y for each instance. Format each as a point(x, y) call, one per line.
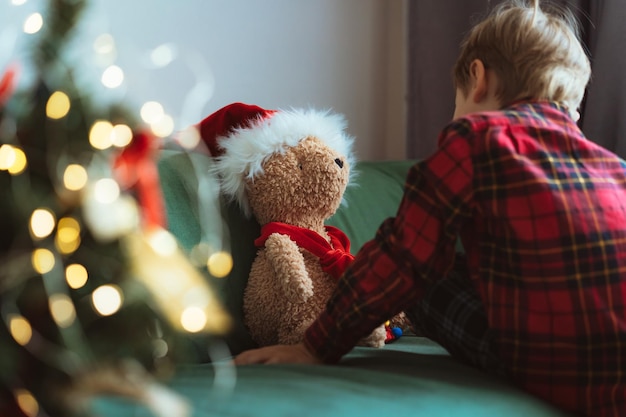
point(412, 376)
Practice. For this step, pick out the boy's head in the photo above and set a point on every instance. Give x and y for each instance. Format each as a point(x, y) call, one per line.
point(533, 53)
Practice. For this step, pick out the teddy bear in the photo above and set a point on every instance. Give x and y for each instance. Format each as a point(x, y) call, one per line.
point(289, 170)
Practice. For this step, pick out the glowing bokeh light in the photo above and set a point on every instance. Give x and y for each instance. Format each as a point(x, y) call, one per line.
point(33, 23)
point(220, 264)
point(107, 299)
point(18, 2)
point(104, 44)
point(7, 157)
point(68, 235)
point(20, 329)
point(106, 190)
point(19, 164)
point(42, 260)
point(100, 135)
point(62, 309)
point(162, 55)
point(112, 77)
point(75, 177)
point(42, 223)
point(193, 319)
point(12, 159)
point(26, 402)
point(151, 112)
point(162, 242)
point(163, 127)
point(189, 138)
point(76, 276)
point(121, 135)
point(58, 105)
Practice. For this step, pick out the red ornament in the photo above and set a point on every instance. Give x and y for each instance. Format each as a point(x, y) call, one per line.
point(136, 169)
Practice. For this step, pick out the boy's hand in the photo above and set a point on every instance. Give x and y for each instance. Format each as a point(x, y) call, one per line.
point(277, 354)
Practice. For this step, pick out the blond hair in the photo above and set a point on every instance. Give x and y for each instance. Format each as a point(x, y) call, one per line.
point(534, 53)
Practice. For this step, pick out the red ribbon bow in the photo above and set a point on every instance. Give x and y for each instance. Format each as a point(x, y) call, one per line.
point(334, 256)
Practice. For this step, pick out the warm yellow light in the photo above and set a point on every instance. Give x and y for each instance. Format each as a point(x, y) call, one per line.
point(162, 242)
point(163, 127)
point(220, 264)
point(189, 138)
point(62, 309)
point(58, 105)
point(76, 276)
point(19, 162)
point(42, 260)
point(20, 329)
point(75, 177)
point(193, 319)
point(27, 402)
point(7, 157)
point(42, 223)
point(68, 235)
point(107, 299)
point(112, 77)
point(121, 136)
point(106, 190)
point(151, 112)
point(100, 135)
point(33, 23)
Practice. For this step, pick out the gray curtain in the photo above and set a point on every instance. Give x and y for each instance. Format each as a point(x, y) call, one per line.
point(436, 28)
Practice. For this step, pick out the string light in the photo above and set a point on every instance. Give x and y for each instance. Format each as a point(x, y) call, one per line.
point(106, 190)
point(112, 77)
point(62, 309)
point(12, 159)
point(162, 242)
point(20, 329)
point(42, 223)
point(121, 135)
point(189, 138)
point(104, 44)
point(107, 299)
point(100, 135)
point(27, 402)
point(33, 23)
point(75, 177)
point(68, 235)
point(151, 112)
point(7, 157)
point(193, 319)
point(163, 127)
point(76, 276)
point(58, 105)
point(42, 260)
point(220, 264)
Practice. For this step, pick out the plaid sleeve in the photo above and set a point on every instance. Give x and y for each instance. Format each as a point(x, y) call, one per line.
point(416, 246)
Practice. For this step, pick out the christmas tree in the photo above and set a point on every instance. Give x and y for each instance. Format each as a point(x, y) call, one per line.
point(86, 261)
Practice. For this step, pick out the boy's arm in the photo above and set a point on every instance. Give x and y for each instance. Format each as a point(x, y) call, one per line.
point(416, 247)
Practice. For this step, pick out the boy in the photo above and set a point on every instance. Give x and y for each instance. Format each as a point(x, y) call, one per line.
point(540, 294)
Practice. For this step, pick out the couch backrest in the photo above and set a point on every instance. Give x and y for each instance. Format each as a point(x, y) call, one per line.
point(374, 195)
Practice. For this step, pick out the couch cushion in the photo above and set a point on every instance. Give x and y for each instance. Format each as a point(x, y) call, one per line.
point(410, 377)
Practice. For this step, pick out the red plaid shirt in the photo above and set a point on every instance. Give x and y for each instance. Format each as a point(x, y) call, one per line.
point(541, 212)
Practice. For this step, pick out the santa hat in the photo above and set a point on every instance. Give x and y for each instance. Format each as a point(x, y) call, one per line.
point(241, 137)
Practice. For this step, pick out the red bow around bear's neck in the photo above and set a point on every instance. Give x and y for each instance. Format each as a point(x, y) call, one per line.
point(334, 256)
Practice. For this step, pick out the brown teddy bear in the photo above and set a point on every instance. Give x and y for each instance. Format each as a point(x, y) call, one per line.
point(289, 169)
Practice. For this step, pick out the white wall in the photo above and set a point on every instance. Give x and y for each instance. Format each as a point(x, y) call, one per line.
point(347, 55)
